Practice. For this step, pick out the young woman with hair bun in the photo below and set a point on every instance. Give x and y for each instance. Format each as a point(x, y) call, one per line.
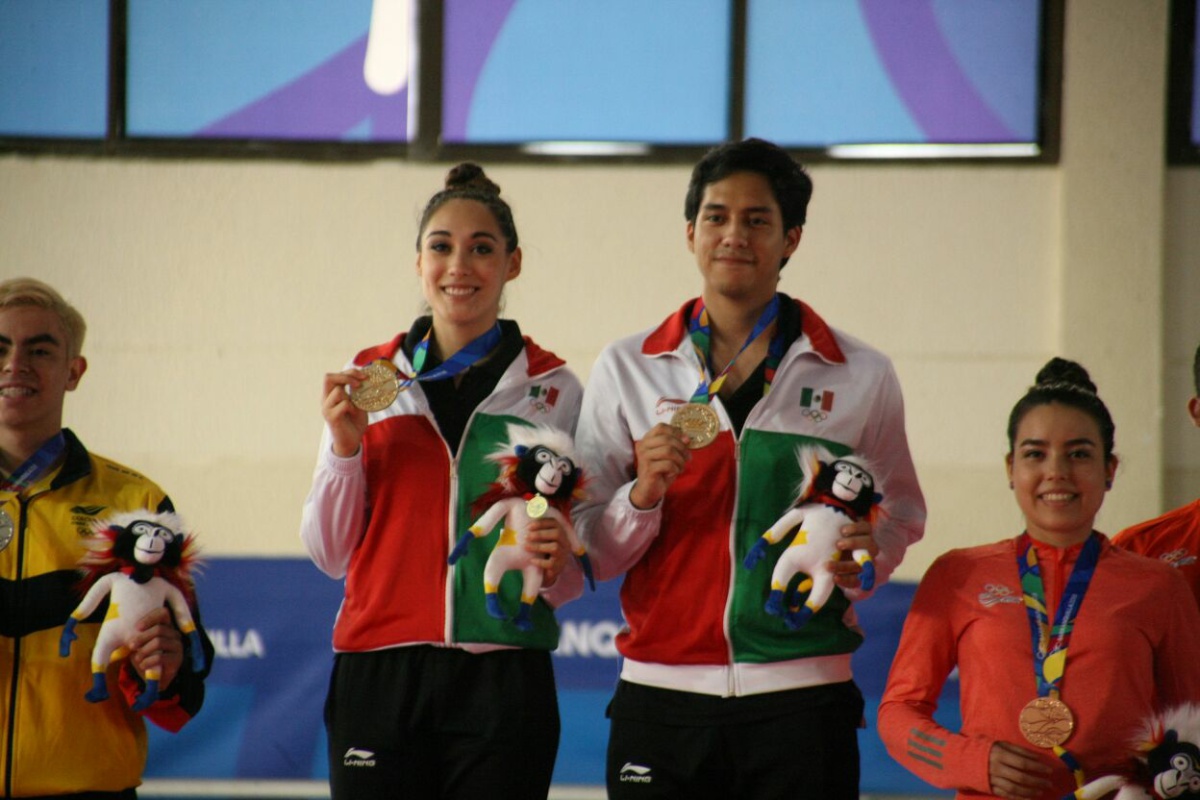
point(1064, 644)
point(430, 696)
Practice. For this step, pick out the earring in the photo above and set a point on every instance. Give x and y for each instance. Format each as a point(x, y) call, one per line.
point(1108, 484)
point(1010, 485)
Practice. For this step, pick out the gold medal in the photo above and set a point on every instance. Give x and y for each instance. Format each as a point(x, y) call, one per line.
point(699, 422)
point(536, 506)
point(7, 528)
point(379, 389)
point(1046, 722)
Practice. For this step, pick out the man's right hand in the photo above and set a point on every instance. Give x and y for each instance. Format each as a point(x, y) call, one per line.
point(662, 454)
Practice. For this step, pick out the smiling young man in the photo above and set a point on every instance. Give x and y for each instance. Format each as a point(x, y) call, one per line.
point(51, 491)
point(691, 431)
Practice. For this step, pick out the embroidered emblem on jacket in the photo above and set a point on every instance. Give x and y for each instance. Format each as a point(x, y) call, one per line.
point(543, 398)
point(1178, 558)
point(817, 403)
point(995, 593)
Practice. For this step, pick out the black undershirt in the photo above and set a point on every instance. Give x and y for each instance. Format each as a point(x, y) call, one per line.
point(453, 405)
point(739, 404)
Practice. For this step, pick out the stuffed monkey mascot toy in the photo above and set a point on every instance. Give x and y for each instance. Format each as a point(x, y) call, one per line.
point(140, 561)
point(539, 476)
point(832, 494)
point(1166, 761)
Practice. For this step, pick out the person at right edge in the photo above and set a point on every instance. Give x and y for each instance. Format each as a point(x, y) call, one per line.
point(719, 698)
point(1065, 644)
point(1173, 537)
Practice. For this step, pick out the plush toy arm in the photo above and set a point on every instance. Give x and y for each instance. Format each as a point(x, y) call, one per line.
point(1102, 787)
point(197, 650)
point(183, 618)
point(756, 553)
point(68, 636)
point(90, 601)
point(99, 591)
point(464, 542)
point(577, 548)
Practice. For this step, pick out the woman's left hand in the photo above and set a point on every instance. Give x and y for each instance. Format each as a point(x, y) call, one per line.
point(547, 542)
point(855, 536)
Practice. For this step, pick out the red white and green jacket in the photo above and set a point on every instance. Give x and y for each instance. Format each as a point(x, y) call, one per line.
point(694, 616)
point(387, 518)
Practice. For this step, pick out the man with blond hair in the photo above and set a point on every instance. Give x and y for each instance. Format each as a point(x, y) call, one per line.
point(55, 742)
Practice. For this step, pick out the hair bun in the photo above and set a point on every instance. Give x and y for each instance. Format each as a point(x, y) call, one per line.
point(1062, 371)
point(469, 175)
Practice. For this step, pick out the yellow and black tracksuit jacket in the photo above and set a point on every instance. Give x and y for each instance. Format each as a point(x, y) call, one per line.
point(52, 740)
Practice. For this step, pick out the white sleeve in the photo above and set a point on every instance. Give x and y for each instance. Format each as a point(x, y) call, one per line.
point(885, 444)
point(334, 516)
point(615, 532)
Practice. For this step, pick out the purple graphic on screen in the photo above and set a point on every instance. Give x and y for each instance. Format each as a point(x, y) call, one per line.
point(470, 31)
point(324, 103)
point(927, 76)
point(1196, 82)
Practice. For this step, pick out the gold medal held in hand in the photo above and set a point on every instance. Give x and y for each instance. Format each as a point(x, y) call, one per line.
point(379, 388)
point(1046, 722)
point(699, 422)
point(536, 506)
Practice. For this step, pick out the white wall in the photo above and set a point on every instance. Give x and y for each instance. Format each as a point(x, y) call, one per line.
point(219, 292)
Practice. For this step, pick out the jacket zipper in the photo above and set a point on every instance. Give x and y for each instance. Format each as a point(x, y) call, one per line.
point(732, 683)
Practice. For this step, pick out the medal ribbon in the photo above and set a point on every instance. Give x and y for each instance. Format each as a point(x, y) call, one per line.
point(700, 332)
point(476, 349)
point(35, 466)
point(1050, 644)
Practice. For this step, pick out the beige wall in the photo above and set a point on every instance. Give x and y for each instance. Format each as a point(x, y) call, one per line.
point(219, 292)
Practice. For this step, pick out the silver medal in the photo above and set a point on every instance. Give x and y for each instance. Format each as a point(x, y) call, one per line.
point(7, 528)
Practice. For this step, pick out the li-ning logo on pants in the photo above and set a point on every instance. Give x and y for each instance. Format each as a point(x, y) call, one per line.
point(635, 773)
point(357, 757)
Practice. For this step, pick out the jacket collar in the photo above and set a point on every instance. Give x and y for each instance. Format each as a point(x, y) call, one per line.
point(674, 330)
point(76, 462)
point(538, 361)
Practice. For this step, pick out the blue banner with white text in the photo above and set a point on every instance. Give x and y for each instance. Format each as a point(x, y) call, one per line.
point(271, 621)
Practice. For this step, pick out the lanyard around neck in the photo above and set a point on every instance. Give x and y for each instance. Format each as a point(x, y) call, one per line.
point(35, 466)
point(475, 350)
point(700, 332)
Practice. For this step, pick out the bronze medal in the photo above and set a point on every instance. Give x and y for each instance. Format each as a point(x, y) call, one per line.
point(379, 389)
point(536, 506)
point(1046, 722)
point(7, 528)
point(699, 422)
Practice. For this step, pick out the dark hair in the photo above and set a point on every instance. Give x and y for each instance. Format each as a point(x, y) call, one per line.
point(1067, 383)
point(467, 181)
point(788, 180)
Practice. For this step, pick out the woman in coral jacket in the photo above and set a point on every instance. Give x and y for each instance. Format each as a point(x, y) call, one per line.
point(430, 695)
point(1064, 644)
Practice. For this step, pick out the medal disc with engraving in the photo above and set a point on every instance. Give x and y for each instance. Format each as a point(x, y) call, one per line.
point(699, 422)
point(379, 389)
point(536, 506)
point(1046, 722)
point(7, 528)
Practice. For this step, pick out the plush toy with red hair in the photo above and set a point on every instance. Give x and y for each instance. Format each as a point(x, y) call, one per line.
point(832, 494)
point(539, 476)
point(140, 561)
point(1166, 761)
